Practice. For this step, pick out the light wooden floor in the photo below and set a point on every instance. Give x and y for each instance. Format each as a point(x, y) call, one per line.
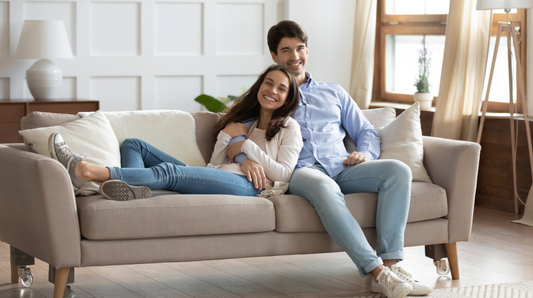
point(499, 252)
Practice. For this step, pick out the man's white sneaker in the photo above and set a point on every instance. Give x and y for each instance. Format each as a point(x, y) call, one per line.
point(418, 287)
point(390, 285)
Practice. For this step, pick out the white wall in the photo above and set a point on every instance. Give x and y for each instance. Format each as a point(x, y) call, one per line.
point(330, 26)
point(160, 54)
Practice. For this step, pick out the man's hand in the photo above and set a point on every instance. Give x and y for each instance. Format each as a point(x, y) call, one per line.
point(236, 129)
point(355, 158)
point(234, 149)
point(254, 172)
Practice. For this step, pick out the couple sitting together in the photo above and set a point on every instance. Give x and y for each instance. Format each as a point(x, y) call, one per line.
point(285, 133)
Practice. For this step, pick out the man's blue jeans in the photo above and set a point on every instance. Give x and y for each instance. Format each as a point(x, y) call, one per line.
point(391, 179)
point(143, 164)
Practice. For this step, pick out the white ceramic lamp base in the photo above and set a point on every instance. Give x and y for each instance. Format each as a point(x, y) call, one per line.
point(44, 79)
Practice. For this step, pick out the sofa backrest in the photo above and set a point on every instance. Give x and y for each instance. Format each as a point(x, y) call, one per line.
point(205, 125)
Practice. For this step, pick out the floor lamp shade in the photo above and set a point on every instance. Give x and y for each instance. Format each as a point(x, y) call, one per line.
point(502, 4)
point(44, 40)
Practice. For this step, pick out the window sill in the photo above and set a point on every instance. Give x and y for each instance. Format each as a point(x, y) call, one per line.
point(488, 115)
point(395, 105)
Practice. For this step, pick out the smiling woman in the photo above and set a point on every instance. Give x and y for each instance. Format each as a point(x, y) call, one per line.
point(261, 117)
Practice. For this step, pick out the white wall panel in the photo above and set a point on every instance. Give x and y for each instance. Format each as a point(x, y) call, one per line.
point(65, 11)
point(177, 93)
point(4, 28)
point(240, 29)
point(232, 85)
point(117, 93)
point(4, 88)
point(67, 91)
point(115, 29)
point(178, 28)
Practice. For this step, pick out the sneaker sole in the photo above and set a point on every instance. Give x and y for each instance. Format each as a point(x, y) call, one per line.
point(374, 288)
point(119, 190)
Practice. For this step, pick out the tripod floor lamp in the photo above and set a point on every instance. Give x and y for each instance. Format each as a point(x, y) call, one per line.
point(509, 29)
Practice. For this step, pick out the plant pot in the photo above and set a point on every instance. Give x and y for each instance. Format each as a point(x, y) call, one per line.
point(424, 99)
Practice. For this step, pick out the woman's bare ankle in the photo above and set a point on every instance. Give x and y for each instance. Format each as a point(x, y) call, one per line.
point(82, 171)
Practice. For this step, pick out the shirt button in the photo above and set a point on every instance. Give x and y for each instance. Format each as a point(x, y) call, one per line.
point(304, 139)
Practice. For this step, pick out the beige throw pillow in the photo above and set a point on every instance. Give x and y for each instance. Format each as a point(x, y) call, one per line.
point(92, 135)
point(171, 131)
point(402, 140)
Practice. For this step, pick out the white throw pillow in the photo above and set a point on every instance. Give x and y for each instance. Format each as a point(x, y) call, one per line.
point(171, 131)
point(402, 140)
point(92, 135)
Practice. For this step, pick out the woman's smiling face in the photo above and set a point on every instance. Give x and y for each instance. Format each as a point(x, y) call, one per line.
point(273, 91)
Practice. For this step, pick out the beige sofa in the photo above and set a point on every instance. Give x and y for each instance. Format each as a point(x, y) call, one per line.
point(41, 216)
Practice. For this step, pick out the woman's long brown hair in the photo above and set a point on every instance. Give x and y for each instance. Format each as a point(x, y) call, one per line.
point(247, 107)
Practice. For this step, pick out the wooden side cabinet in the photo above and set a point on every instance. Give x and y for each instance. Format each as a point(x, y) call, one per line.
point(11, 111)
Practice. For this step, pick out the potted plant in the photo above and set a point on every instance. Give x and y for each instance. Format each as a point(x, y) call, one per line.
point(422, 95)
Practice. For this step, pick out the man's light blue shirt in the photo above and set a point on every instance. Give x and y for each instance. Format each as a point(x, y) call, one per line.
point(326, 112)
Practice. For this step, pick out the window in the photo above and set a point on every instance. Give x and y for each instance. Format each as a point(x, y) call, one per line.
point(401, 27)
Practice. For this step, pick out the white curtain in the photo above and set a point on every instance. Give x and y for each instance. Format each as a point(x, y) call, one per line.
point(363, 52)
point(463, 72)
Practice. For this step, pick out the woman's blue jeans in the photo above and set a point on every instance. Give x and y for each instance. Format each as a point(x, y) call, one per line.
point(143, 164)
point(391, 179)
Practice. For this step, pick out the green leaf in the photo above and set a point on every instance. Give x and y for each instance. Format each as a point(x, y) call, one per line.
point(211, 104)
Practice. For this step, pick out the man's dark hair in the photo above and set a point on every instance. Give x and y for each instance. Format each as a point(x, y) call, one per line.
point(285, 29)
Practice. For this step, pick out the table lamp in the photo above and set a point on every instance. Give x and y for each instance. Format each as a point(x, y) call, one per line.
point(44, 40)
point(510, 32)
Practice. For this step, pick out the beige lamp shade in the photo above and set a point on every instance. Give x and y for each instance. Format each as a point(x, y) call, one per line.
point(502, 4)
point(44, 40)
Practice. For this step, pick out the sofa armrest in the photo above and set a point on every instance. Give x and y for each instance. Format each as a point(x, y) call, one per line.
point(454, 165)
point(38, 212)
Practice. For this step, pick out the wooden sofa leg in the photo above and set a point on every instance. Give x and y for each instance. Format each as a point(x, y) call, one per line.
point(451, 251)
point(60, 282)
point(14, 274)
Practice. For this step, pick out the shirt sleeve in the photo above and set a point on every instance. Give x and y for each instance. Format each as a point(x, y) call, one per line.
point(239, 158)
point(289, 150)
point(359, 128)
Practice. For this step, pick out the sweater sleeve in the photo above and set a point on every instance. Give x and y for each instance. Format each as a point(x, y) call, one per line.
point(289, 150)
point(219, 152)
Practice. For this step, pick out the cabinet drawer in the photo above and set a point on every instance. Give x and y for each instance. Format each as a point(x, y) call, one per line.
point(11, 113)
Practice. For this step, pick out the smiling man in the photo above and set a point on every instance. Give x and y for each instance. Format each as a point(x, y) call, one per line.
point(326, 170)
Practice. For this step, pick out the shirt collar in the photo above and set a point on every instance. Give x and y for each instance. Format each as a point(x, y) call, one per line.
point(310, 81)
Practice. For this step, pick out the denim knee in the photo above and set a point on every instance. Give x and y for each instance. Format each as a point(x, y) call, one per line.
point(400, 170)
point(131, 143)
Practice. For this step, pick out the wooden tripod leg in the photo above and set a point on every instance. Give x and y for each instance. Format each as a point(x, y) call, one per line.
point(485, 103)
point(60, 282)
point(451, 251)
point(14, 274)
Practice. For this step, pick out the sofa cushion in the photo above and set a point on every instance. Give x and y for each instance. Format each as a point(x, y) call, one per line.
point(169, 215)
point(171, 131)
point(402, 140)
point(45, 119)
point(296, 214)
point(205, 132)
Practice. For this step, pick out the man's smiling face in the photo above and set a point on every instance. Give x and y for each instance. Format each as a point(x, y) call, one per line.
point(292, 53)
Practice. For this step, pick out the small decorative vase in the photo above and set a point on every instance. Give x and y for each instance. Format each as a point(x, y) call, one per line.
point(424, 99)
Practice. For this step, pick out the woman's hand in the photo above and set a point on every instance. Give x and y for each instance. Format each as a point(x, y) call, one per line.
point(254, 172)
point(355, 158)
point(234, 149)
point(236, 129)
